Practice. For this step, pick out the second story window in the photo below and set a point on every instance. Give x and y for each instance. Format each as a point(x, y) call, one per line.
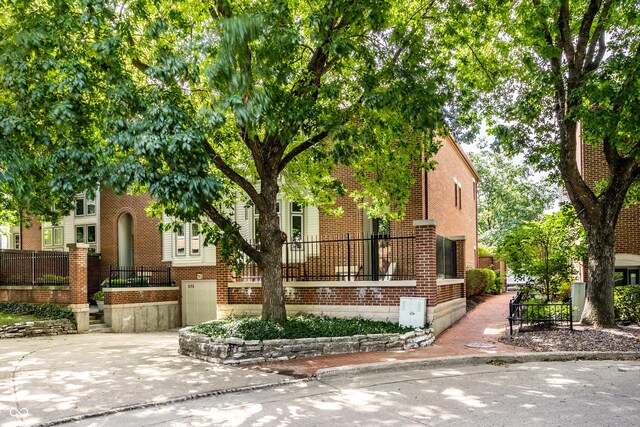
point(195, 239)
point(52, 236)
point(16, 241)
point(181, 242)
point(85, 206)
point(297, 225)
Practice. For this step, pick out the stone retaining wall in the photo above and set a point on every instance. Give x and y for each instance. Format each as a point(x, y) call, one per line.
point(235, 351)
point(38, 328)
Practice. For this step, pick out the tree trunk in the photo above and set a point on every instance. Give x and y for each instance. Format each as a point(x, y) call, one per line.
point(271, 239)
point(601, 257)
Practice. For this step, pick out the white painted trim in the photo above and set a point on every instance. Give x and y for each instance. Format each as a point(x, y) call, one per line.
point(455, 238)
point(140, 304)
point(332, 284)
point(442, 282)
point(138, 289)
point(420, 222)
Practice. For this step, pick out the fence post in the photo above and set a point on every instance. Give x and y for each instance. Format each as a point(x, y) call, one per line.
point(78, 284)
point(349, 257)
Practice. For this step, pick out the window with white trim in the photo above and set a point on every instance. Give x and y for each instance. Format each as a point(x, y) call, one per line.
point(181, 241)
point(16, 240)
point(52, 236)
point(86, 234)
point(297, 225)
point(195, 239)
point(85, 206)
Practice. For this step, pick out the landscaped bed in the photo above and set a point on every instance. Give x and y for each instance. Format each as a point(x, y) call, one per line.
point(25, 320)
point(250, 340)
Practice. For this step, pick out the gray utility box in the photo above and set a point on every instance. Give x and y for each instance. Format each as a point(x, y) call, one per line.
point(413, 312)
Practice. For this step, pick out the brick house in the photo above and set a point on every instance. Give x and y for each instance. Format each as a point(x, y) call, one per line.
point(345, 266)
point(593, 168)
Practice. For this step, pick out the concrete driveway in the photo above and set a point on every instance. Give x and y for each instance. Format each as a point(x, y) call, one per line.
point(51, 378)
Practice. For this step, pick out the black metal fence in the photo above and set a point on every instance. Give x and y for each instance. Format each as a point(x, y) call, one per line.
point(539, 315)
point(347, 258)
point(138, 277)
point(34, 268)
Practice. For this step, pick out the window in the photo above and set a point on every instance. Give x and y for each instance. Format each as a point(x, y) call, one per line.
point(85, 206)
point(195, 239)
point(181, 242)
point(297, 227)
point(446, 260)
point(16, 241)
point(80, 207)
point(457, 193)
point(52, 236)
point(86, 234)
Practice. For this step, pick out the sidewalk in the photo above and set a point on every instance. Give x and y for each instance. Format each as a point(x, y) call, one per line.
point(483, 325)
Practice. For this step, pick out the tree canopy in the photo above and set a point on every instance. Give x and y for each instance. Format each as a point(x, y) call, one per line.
point(508, 195)
point(561, 72)
point(199, 102)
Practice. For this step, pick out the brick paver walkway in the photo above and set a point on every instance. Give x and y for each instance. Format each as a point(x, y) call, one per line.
point(485, 324)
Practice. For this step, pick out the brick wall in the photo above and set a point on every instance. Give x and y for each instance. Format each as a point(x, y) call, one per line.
point(140, 295)
point(452, 220)
point(31, 235)
point(628, 227)
point(147, 239)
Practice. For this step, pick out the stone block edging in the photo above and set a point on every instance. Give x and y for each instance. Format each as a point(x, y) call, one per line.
point(236, 351)
point(38, 328)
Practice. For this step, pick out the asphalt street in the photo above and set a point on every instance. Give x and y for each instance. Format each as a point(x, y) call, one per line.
point(578, 393)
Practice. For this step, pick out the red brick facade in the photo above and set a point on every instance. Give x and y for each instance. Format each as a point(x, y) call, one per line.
point(595, 169)
point(140, 295)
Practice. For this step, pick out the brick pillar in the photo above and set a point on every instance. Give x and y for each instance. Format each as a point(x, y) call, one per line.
point(223, 276)
point(78, 284)
point(425, 260)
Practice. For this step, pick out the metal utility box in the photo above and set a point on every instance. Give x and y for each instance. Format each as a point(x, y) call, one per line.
point(413, 312)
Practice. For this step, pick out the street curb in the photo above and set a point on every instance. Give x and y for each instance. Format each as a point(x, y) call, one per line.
point(172, 401)
point(475, 359)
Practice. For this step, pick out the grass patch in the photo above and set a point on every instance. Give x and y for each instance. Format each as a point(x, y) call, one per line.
point(39, 311)
point(10, 319)
point(253, 328)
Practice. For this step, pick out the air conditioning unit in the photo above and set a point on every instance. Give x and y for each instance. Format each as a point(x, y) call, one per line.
point(413, 312)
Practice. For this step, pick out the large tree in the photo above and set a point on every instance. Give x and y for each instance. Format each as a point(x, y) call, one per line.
point(564, 72)
point(509, 195)
point(197, 102)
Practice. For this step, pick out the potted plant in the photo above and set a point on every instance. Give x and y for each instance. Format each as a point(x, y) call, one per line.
point(99, 299)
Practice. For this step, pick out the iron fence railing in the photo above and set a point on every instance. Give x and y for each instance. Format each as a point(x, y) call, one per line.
point(34, 268)
point(137, 277)
point(347, 258)
point(539, 315)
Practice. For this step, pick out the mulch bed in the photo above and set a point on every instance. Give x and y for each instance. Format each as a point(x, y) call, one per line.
point(582, 338)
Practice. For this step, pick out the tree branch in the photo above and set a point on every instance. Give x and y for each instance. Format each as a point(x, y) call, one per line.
point(300, 148)
point(225, 224)
point(585, 32)
point(598, 39)
point(565, 33)
point(234, 176)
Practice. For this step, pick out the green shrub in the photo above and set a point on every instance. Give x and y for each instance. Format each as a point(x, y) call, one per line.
point(253, 328)
point(564, 291)
point(115, 283)
point(47, 279)
point(495, 288)
point(626, 302)
point(98, 296)
point(479, 280)
point(45, 311)
point(141, 281)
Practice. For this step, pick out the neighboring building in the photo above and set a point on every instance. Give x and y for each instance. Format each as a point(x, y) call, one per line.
point(345, 266)
point(594, 169)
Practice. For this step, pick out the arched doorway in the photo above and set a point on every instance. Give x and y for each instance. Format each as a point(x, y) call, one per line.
point(125, 240)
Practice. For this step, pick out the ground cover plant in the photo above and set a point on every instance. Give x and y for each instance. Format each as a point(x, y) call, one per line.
point(34, 311)
point(10, 319)
point(253, 328)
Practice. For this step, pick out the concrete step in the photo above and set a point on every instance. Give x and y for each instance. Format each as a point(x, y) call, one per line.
point(95, 321)
point(99, 328)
